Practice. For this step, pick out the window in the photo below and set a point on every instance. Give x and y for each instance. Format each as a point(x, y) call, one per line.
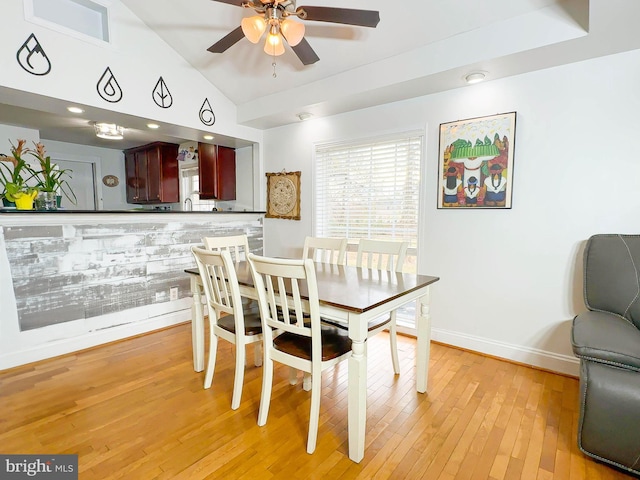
point(370, 189)
point(83, 18)
point(189, 192)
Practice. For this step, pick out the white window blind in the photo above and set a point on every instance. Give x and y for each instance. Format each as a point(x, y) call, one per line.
point(369, 189)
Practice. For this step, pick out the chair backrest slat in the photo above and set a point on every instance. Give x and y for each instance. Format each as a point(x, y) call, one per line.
point(325, 249)
point(280, 285)
point(236, 245)
point(219, 280)
point(381, 254)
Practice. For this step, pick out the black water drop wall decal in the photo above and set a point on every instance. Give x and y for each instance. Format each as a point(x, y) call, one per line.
point(206, 114)
point(32, 58)
point(161, 94)
point(108, 87)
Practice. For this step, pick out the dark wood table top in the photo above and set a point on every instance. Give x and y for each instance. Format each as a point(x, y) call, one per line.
point(351, 288)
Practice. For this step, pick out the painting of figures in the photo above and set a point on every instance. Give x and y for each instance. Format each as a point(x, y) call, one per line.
point(476, 162)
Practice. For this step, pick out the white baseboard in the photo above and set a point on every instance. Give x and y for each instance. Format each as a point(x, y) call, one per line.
point(555, 362)
point(91, 339)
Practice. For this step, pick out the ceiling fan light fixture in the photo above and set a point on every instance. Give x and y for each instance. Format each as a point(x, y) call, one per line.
point(253, 27)
point(109, 131)
point(293, 31)
point(273, 45)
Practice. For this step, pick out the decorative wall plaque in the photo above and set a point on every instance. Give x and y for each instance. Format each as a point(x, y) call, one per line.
point(32, 58)
point(108, 87)
point(161, 94)
point(283, 195)
point(206, 113)
point(110, 180)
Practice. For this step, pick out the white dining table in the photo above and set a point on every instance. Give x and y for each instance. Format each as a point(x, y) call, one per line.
point(356, 296)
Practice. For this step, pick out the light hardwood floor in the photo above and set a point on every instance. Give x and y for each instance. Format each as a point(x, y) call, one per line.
point(136, 410)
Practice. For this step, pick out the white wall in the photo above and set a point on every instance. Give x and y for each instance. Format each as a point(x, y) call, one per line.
point(510, 279)
point(245, 196)
point(10, 135)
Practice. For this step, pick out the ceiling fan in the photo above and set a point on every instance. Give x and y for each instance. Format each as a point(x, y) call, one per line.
point(273, 17)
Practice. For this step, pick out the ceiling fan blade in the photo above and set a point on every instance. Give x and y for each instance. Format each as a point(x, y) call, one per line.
point(305, 53)
point(232, 2)
point(349, 16)
point(227, 41)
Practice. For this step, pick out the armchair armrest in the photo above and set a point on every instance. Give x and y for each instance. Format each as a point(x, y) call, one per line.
point(606, 338)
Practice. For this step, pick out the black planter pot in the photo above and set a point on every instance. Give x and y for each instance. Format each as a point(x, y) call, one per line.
point(7, 203)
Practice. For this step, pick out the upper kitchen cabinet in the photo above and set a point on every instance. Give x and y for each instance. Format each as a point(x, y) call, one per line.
point(217, 171)
point(152, 173)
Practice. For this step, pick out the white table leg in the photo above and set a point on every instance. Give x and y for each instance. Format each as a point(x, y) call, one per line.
point(424, 343)
point(197, 325)
point(357, 401)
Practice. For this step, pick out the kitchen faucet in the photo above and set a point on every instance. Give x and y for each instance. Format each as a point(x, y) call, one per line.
point(188, 207)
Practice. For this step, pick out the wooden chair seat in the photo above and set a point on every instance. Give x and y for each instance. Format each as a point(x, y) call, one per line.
point(335, 342)
point(252, 323)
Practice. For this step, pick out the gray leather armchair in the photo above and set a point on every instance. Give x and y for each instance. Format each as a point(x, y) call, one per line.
point(607, 341)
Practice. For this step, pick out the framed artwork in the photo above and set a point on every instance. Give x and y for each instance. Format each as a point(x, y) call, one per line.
point(475, 164)
point(283, 195)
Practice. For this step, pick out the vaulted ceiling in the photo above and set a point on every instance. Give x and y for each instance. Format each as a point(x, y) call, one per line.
point(418, 48)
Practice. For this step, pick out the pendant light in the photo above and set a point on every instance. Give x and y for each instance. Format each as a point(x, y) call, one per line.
point(292, 31)
point(253, 27)
point(273, 45)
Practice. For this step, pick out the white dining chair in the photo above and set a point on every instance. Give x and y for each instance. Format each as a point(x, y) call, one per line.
point(330, 250)
point(303, 342)
point(236, 245)
point(381, 255)
point(227, 317)
point(390, 256)
point(325, 249)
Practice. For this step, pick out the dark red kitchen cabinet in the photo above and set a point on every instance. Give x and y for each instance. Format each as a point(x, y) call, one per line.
point(152, 173)
point(217, 172)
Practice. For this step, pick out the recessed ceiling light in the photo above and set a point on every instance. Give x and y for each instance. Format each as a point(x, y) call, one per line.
point(153, 126)
point(75, 109)
point(474, 77)
point(208, 137)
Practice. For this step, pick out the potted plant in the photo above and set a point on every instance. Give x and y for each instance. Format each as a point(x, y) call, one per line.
point(16, 192)
point(51, 181)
